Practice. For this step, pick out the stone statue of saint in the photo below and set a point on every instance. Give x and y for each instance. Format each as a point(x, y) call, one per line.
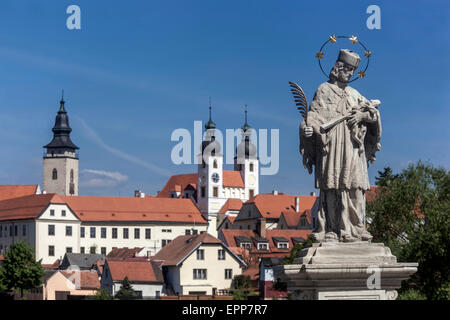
point(341, 135)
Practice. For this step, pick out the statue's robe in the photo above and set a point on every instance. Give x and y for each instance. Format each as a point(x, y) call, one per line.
point(340, 157)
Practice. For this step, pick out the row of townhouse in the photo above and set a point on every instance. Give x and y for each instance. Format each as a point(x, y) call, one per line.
point(54, 225)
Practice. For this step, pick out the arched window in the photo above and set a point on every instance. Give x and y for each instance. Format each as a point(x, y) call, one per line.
point(215, 164)
point(54, 174)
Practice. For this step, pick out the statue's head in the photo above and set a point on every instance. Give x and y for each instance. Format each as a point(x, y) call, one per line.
point(345, 66)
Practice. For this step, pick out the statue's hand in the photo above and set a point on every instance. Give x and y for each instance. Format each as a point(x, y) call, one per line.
point(307, 131)
point(356, 117)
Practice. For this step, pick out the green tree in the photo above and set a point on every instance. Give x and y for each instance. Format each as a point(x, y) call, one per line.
point(21, 270)
point(241, 287)
point(102, 294)
point(410, 214)
point(126, 291)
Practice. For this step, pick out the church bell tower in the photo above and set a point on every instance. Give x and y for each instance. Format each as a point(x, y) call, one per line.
point(60, 170)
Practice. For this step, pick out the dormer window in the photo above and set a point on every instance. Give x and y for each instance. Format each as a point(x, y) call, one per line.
point(246, 245)
point(283, 245)
point(263, 246)
point(281, 242)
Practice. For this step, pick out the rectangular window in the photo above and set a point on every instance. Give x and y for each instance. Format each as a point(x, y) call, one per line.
point(194, 231)
point(51, 251)
point(200, 274)
point(69, 231)
point(63, 213)
point(125, 233)
point(203, 192)
point(251, 167)
point(187, 232)
point(82, 232)
point(228, 273)
point(81, 249)
point(11, 231)
point(221, 254)
point(16, 231)
point(148, 233)
point(200, 254)
point(251, 193)
point(92, 232)
point(103, 233)
point(215, 192)
point(103, 251)
point(263, 246)
point(51, 229)
point(24, 230)
point(69, 250)
point(1, 231)
point(93, 250)
point(137, 233)
point(164, 242)
point(283, 245)
point(114, 233)
point(52, 212)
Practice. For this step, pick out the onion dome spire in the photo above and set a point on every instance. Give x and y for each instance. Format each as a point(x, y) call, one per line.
point(61, 130)
point(210, 124)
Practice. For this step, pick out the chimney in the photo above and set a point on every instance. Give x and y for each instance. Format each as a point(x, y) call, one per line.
point(275, 192)
point(312, 193)
point(297, 204)
point(262, 227)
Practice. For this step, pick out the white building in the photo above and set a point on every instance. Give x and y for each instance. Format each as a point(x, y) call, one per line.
point(54, 225)
point(212, 186)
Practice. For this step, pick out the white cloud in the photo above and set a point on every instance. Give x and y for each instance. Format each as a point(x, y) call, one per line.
point(100, 178)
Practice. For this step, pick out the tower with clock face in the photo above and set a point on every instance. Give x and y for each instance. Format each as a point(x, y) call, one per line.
point(210, 194)
point(247, 162)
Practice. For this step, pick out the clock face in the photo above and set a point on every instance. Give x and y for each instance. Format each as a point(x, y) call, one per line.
point(215, 177)
point(251, 180)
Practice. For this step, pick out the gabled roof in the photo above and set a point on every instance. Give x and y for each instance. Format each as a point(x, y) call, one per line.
point(88, 279)
point(292, 218)
point(123, 253)
point(231, 238)
point(181, 182)
point(182, 247)
point(16, 191)
point(82, 260)
point(135, 270)
point(90, 208)
point(231, 205)
point(271, 206)
point(27, 207)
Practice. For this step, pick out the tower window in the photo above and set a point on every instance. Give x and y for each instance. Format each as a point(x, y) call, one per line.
point(251, 167)
point(251, 193)
point(55, 174)
point(71, 176)
point(215, 164)
point(202, 191)
point(215, 192)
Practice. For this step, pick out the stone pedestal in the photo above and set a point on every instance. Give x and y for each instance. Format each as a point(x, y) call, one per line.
point(345, 271)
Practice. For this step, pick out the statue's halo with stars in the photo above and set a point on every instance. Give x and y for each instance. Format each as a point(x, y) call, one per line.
point(353, 41)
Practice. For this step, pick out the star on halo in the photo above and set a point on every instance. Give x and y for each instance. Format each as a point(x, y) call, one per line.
point(319, 55)
point(353, 39)
point(368, 53)
point(361, 74)
point(333, 39)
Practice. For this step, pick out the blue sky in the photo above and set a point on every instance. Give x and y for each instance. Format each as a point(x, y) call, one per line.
point(137, 70)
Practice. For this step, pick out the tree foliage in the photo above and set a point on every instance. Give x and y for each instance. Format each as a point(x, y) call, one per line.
point(20, 269)
point(410, 214)
point(241, 287)
point(102, 294)
point(126, 291)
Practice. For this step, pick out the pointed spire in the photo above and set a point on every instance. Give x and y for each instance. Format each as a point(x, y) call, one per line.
point(210, 124)
point(246, 126)
point(61, 103)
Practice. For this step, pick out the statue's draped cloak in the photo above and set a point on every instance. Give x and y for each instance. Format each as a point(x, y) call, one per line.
point(340, 156)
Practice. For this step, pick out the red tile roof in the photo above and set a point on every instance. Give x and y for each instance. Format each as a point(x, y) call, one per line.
point(229, 237)
point(28, 207)
point(53, 266)
point(292, 218)
point(181, 181)
point(2, 257)
point(231, 205)
point(123, 253)
point(176, 250)
point(16, 191)
point(136, 271)
point(271, 206)
point(88, 279)
point(252, 272)
point(93, 208)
